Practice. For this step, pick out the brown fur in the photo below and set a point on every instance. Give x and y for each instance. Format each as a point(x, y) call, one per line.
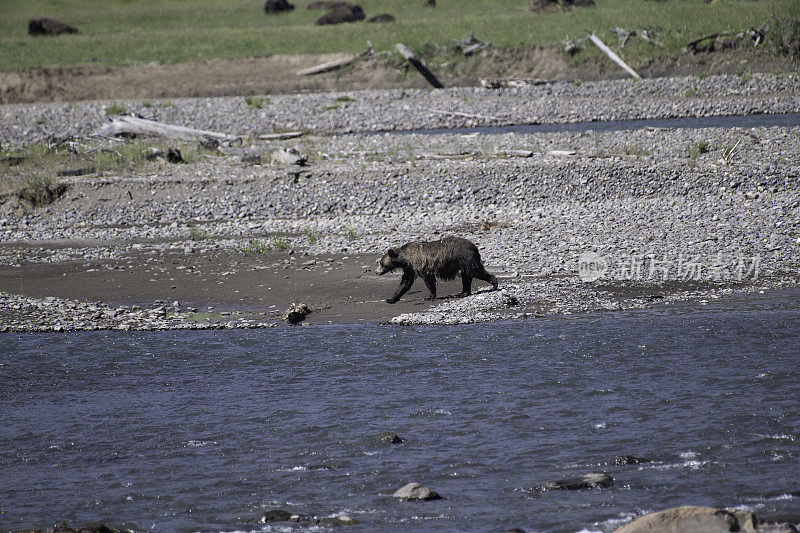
point(442, 259)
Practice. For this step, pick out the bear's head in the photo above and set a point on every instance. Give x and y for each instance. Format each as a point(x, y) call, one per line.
point(389, 262)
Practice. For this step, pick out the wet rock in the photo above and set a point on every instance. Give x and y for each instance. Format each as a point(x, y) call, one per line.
point(274, 515)
point(383, 17)
point(621, 460)
point(336, 521)
point(416, 492)
point(702, 520)
point(296, 313)
point(593, 480)
point(45, 26)
point(390, 438)
point(342, 13)
point(277, 6)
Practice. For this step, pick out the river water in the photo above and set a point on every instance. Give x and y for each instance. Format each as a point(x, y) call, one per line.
point(188, 431)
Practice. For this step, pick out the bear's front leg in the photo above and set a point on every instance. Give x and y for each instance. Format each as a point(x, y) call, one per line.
point(405, 283)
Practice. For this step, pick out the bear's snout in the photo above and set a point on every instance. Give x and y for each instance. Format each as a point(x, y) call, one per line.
point(380, 270)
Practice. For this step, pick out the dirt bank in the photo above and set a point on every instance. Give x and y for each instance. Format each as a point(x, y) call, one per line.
point(278, 74)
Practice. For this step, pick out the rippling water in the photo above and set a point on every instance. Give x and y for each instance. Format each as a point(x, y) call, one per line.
point(183, 431)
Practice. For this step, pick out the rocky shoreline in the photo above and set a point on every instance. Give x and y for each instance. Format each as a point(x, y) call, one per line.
point(665, 214)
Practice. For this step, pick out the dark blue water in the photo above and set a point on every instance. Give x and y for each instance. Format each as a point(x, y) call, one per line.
point(721, 121)
point(185, 431)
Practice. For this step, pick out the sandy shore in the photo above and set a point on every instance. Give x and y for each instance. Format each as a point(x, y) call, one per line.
point(672, 214)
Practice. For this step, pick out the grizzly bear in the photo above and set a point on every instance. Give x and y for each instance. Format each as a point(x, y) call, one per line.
point(429, 260)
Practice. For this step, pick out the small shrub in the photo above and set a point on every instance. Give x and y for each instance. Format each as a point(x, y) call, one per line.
point(329, 107)
point(744, 76)
point(257, 102)
point(312, 236)
point(196, 233)
point(577, 82)
point(699, 148)
point(350, 233)
point(344, 99)
point(147, 104)
point(635, 150)
point(690, 93)
point(280, 244)
point(115, 109)
point(254, 246)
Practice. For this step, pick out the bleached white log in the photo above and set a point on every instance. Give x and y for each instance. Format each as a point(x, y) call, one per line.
point(614, 57)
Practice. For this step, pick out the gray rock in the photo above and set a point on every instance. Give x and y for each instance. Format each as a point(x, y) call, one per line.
point(593, 480)
point(416, 492)
point(702, 520)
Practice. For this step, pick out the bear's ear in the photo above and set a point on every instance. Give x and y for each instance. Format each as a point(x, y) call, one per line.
point(391, 252)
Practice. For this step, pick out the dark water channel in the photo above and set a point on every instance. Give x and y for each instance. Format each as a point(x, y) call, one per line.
point(732, 121)
point(187, 431)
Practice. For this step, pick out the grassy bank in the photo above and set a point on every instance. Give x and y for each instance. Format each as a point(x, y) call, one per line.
point(131, 32)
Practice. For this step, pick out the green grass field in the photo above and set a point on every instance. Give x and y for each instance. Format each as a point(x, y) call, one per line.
point(131, 32)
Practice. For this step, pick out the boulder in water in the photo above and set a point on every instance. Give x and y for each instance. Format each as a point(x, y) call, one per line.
point(416, 492)
point(702, 520)
point(595, 480)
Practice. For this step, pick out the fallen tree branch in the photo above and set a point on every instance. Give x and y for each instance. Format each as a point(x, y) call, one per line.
point(693, 45)
point(417, 64)
point(335, 64)
point(614, 57)
point(139, 126)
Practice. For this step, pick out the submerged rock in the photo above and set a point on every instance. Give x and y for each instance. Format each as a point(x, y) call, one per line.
point(416, 492)
point(594, 480)
point(274, 515)
point(335, 521)
point(702, 520)
point(390, 438)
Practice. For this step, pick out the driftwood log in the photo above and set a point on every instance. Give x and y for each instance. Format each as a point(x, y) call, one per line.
point(139, 126)
point(417, 64)
point(614, 57)
point(336, 63)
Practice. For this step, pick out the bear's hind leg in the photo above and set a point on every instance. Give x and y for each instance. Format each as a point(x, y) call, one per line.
point(485, 276)
point(405, 283)
point(466, 284)
point(430, 282)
